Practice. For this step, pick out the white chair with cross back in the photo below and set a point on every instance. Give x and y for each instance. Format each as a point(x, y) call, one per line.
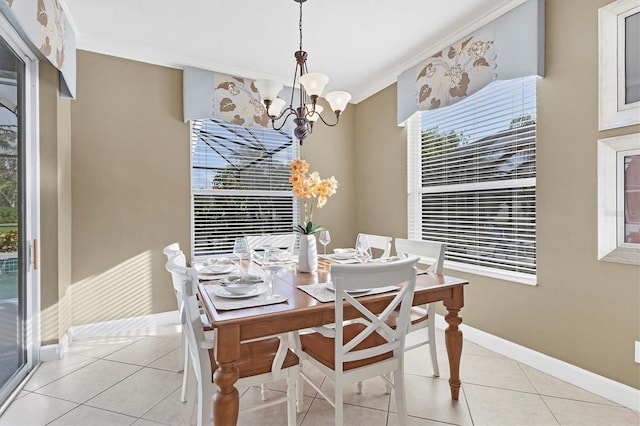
point(367, 347)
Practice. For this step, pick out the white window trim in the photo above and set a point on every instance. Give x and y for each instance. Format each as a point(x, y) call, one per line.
point(414, 206)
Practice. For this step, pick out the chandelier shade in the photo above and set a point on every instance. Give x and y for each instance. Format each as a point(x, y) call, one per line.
point(305, 112)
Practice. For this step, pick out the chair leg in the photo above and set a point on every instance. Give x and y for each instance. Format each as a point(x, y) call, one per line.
point(387, 385)
point(299, 393)
point(185, 373)
point(338, 400)
point(263, 391)
point(181, 356)
point(432, 347)
point(401, 401)
point(292, 396)
point(189, 387)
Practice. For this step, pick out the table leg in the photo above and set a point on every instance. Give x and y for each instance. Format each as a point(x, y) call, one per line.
point(226, 399)
point(453, 339)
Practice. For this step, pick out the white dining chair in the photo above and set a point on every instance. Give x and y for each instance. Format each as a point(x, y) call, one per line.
point(171, 251)
point(261, 361)
point(379, 242)
point(430, 253)
point(367, 347)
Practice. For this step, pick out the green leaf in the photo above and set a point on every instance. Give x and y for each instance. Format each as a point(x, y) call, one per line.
point(308, 229)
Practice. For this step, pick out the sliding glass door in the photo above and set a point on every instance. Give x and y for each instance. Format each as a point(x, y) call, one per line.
point(18, 190)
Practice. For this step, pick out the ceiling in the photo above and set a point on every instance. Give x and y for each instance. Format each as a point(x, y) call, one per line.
point(363, 45)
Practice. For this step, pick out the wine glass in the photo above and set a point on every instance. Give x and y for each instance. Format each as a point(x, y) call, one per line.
point(325, 238)
point(241, 249)
point(363, 249)
point(272, 262)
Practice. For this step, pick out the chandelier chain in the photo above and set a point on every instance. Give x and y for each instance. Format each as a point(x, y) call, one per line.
point(300, 26)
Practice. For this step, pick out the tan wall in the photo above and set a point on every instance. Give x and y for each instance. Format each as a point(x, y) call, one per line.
point(130, 185)
point(583, 311)
point(55, 202)
point(331, 151)
point(381, 167)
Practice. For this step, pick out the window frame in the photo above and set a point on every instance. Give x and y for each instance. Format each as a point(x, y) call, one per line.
point(295, 210)
point(415, 192)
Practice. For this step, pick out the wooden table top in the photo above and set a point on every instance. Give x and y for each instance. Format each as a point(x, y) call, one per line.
point(429, 288)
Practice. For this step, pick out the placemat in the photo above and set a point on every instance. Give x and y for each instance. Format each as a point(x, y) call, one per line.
point(322, 293)
point(224, 304)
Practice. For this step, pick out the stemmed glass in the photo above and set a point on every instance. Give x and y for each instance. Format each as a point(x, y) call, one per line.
point(325, 238)
point(363, 249)
point(241, 249)
point(272, 262)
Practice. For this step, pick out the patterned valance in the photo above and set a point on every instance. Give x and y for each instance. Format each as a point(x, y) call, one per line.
point(44, 26)
point(209, 94)
point(511, 46)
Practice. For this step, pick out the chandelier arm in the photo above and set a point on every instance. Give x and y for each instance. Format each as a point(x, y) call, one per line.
point(293, 86)
point(330, 125)
point(290, 111)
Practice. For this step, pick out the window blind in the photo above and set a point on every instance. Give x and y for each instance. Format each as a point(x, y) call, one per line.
point(472, 180)
point(240, 184)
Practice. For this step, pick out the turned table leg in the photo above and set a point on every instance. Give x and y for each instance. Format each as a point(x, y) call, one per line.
point(226, 399)
point(453, 339)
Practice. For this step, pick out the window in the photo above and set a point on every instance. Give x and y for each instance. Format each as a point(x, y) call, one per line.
point(472, 180)
point(239, 184)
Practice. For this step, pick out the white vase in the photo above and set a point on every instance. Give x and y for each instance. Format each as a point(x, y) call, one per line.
point(308, 254)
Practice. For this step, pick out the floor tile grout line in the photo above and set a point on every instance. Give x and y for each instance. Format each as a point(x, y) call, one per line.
point(541, 394)
point(161, 401)
point(63, 376)
point(466, 403)
point(114, 384)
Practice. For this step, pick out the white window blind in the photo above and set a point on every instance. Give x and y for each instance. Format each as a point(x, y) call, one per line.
point(472, 180)
point(240, 184)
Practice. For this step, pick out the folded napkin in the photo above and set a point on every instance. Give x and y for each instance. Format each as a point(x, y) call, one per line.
point(224, 304)
point(242, 279)
point(339, 259)
point(218, 261)
point(322, 292)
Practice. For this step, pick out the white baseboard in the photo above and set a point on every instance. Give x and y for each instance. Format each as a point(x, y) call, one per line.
point(56, 351)
point(594, 383)
point(124, 326)
point(106, 328)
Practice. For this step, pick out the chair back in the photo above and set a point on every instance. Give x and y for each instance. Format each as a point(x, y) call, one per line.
point(176, 263)
point(171, 249)
point(373, 275)
point(379, 242)
point(283, 241)
point(430, 252)
point(193, 330)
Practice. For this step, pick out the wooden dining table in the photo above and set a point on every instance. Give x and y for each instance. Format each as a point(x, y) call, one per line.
point(302, 311)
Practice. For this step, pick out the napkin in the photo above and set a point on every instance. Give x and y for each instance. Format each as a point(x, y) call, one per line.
point(242, 279)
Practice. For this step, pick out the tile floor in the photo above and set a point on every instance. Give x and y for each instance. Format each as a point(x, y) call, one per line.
point(131, 380)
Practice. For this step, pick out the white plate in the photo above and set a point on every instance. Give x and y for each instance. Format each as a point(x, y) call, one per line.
point(221, 292)
point(361, 290)
point(219, 269)
point(344, 256)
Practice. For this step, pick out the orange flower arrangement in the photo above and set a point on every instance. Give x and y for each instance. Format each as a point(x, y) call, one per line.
point(313, 190)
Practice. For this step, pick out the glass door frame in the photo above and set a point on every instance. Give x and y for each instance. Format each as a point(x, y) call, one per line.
point(30, 173)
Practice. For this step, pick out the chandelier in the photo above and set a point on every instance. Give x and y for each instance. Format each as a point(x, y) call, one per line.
point(310, 88)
